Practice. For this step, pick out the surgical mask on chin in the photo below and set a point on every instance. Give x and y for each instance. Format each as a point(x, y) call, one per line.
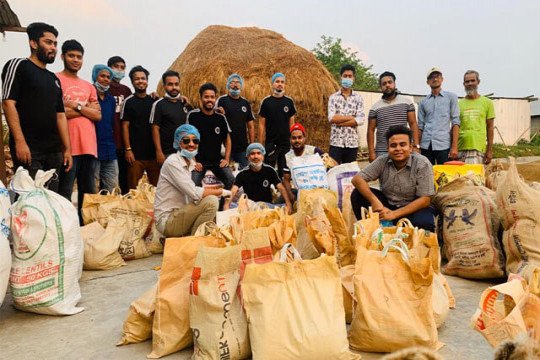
point(100, 87)
point(118, 75)
point(346, 83)
point(256, 166)
point(279, 92)
point(172, 97)
point(188, 154)
point(234, 92)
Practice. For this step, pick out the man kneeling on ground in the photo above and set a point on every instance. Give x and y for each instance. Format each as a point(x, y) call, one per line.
point(180, 206)
point(406, 181)
point(256, 179)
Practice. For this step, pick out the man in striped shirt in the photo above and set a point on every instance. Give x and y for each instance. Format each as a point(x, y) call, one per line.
point(392, 109)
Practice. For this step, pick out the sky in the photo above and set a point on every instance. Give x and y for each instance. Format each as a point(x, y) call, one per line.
point(498, 38)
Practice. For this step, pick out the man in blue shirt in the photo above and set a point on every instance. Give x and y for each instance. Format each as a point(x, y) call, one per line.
point(438, 121)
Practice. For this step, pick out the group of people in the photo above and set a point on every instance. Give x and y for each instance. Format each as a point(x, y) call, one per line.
point(103, 135)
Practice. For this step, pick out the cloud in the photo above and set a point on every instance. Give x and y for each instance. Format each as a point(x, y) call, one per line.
point(355, 49)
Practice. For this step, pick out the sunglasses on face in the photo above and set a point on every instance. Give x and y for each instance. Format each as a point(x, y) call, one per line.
point(186, 141)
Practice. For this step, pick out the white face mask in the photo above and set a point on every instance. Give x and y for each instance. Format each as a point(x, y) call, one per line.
point(188, 154)
point(279, 92)
point(172, 97)
point(256, 166)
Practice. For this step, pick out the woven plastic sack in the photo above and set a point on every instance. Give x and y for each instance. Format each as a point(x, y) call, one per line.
point(101, 245)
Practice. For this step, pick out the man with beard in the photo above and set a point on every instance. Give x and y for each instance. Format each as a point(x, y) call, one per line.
point(33, 104)
point(137, 131)
point(477, 116)
point(214, 131)
point(438, 121)
point(392, 109)
point(256, 180)
point(298, 148)
point(240, 118)
point(167, 114)
point(120, 92)
point(276, 117)
point(82, 110)
point(406, 183)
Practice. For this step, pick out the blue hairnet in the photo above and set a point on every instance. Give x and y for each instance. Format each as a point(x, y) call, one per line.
point(255, 146)
point(99, 68)
point(235, 76)
point(276, 75)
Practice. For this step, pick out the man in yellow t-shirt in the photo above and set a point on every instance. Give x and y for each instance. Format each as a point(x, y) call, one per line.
point(477, 116)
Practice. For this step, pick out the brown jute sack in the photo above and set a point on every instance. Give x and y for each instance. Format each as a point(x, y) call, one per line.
point(314, 209)
point(170, 330)
point(101, 245)
point(216, 316)
point(347, 273)
point(519, 208)
point(393, 297)
point(470, 226)
point(364, 229)
point(295, 310)
point(92, 202)
point(138, 324)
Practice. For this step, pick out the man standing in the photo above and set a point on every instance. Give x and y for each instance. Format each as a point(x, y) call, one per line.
point(82, 110)
point(477, 116)
point(181, 206)
point(240, 118)
point(438, 121)
point(345, 113)
point(214, 131)
point(120, 92)
point(137, 131)
point(167, 114)
point(392, 109)
point(276, 117)
point(406, 182)
point(34, 108)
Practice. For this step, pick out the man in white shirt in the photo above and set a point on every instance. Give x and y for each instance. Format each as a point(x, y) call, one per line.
point(180, 206)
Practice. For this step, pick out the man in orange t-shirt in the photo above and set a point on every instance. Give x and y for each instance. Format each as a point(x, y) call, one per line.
point(82, 110)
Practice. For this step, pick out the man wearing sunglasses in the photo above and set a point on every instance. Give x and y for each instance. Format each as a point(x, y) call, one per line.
point(180, 206)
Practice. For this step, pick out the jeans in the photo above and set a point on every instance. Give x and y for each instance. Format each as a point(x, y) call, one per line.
point(276, 153)
point(423, 218)
point(136, 170)
point(342, 154)
point(240, 158)
point(43, 161)
point(84, 171)
point(435, 157)
point(122, 170)
point(106, 173)
point(222, 173)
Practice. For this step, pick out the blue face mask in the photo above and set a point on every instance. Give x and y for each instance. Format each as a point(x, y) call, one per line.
point(100, 87)
point(118, 75)
point(234, 92)
point(346, 83)
point(188, 154)
point(256, 166)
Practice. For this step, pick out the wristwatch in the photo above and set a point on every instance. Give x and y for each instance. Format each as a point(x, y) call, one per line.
point(417, 146)
point(79, 107)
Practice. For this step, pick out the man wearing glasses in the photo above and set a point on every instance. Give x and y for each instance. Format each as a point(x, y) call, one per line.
point(438, 121)
point(180, 206)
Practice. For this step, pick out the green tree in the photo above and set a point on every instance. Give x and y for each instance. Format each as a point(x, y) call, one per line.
point(333, 55)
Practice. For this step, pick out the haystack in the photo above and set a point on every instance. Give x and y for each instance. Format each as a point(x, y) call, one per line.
point(256, 54)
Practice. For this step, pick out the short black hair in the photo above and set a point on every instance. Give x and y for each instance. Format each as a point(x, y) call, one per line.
point(347, 67)
point(385, 74)
point(35, 30)
point(398, 129)
point(70, 45)
point(115, 60)
point(207, 86)
point(169, 73)
point(137, 69)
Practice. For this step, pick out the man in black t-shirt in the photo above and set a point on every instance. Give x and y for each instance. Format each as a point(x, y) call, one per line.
point(32, 100)
point(240, 118)
point(276, 117)
point(214, 131)
point(257, 178)
point(168, 113)
point(140, 152)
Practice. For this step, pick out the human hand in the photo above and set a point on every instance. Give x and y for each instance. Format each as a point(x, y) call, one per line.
point(71, 104)
point(220, 110)
point(184, 100)
point(130, 158)
point(198, 166)
point(23, 153)
point(68, 160)
point(453, 154)
point(372, 156)
point(225, 193)
point(488, 157)
point(160, 157)
point(387, 214)
point(223, 163)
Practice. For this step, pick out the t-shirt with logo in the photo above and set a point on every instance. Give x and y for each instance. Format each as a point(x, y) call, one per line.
point(256, 184)
point(473, 116)
point(38, 96)
point(213, 130)
point(136, 111)
point(238, 113)
point(168, 116)
point(120, 92)
point(277, 111)
point(82, 131)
